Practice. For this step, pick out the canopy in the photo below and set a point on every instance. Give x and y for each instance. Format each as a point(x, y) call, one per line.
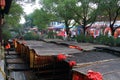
point(60, 26)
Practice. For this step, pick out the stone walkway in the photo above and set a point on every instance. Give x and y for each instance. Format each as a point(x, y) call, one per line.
point(2, 73)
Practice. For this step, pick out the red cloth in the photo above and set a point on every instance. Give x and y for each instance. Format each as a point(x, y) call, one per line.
point(61, 57)
point(72, 63)
point(61, 33)
point(77, 47)
point(7, 46)
point(76, 77)
point(92, 75)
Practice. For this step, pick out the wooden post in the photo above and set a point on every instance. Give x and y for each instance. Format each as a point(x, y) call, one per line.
point(31, 58)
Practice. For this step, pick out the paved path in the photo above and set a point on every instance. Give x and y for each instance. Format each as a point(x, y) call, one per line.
point(2, 73)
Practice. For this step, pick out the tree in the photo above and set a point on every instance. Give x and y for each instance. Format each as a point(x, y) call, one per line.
point(61, 9)
point(13, 18)
point(79, 10)
point(64, 11)
point(29, 20)
point(41, 18)
point(110, 9)
point(85, 13)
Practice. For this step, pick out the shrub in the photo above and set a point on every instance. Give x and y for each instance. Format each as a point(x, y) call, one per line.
point(105, 40)
point(89, 39)
point(117, 42)
point(31, 36)
point(111, 41)
point(6, 34)
point(80, 38)
point(51, 35)
point(102, 39)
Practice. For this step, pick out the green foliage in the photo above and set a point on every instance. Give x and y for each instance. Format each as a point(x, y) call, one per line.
point(61, 9)
point(51, 35)
point(59, 37)
point(31, 36)
point(80, 38)
point(29, 20)
point(110, 11)
point(111, 41)
point(83, 38)
point(89, 39)
point(41, 18)
point(19, 29)
point(64, 9)
point(6, 34)
point(117, 42)
point(102, 39)
point(105, 40)
point(14, 16)
point(11, 20)
point(67, 10)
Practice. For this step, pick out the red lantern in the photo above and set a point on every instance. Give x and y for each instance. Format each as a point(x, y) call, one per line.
point(61, 57)
point(72, 63)
point(2, 4)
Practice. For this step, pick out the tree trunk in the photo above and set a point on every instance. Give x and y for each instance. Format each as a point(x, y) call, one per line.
point(84, 25)
point(67, 27)
point(112, 29)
